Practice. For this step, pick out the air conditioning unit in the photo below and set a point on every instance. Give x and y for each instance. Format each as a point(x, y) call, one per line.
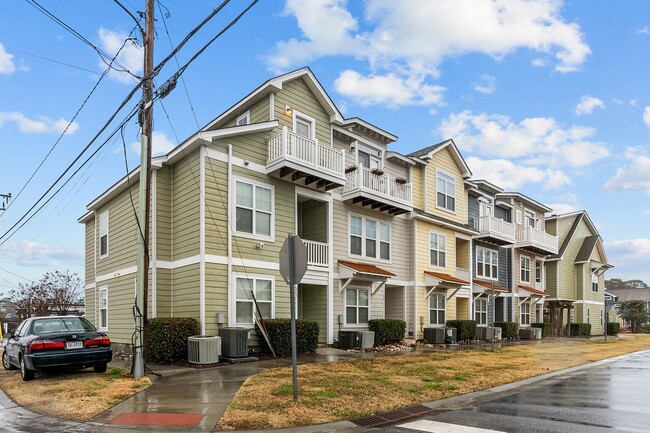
point(434, 335)
point(367, 339)
point(488, 333)
point(203, 349)
point(451, 336)
point(527, 333)
point(538, 333)
point(349, 339)
point(234, 342)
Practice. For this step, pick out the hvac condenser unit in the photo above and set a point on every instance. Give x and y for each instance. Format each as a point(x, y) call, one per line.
point(349, 339)
point(488, 333)
point(434, 335)
point(203, 349)
point(527, 333)
point(367, 339)
point(234, 342)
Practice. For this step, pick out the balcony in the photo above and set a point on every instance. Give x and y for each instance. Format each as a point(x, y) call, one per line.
point(317, 253)
point(536, 241)
point(462, 273)
point(304, 161)
point(495, 230)
point(377, 190)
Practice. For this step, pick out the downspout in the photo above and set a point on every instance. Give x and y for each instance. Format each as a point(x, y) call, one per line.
point(95, 267)
point(202, 153)
point(231, 322)
point(416, 322)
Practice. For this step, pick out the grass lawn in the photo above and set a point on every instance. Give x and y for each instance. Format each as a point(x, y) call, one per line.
point(346, 390)
point(78, 395)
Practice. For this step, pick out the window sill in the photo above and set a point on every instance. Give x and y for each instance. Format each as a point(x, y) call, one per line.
point(254, 236)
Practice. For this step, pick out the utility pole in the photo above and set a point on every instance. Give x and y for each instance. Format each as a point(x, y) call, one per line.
point(4, 201)
point(146, 125)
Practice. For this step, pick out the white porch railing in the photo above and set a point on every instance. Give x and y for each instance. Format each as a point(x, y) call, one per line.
point(381, 184)
point(462, 273)
point(490, 224)
point(317, 253)
point(536, 237)
point(308, 152)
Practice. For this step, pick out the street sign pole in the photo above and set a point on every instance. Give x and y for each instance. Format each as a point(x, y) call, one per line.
point(292, 294)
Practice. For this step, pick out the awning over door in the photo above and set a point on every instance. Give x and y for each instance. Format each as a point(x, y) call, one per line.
point(441, 282)
point(482, 286)
point(351, 271)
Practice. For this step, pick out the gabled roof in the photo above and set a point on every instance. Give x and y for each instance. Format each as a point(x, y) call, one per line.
point(369, 127)
point(586, 249)
point(444, 222)
point(524, 198)
point(428, 153)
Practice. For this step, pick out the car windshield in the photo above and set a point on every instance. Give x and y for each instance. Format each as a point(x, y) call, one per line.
point(62, 324)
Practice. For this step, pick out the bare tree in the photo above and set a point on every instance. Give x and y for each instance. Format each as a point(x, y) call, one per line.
point(55, 293)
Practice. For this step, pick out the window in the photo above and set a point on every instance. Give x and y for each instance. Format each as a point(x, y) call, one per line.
point(518, 216)
point(485, 207)
point(304, 125)
point(103, 309)
point(368, 156)
point(529, 219)
point(437, 309)
point(594, 282)
point(254, 204)
point(525, 313)
point(244, 119)
point(480, 311)
point(487, 263)
point(525, 269)
point(446, 191)
point(357, 307)
point(437, 249)
point(538, 271)
point(588, 316)
point(245, 311)
point(103, 235)
point(369, 238)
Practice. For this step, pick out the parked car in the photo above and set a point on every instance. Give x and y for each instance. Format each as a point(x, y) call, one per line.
point(56, 341)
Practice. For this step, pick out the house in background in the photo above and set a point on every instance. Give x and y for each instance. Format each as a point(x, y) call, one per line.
point(575, 276)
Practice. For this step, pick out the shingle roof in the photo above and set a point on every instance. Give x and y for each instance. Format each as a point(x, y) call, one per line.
point(426, 150)
point(446, 277)
point(531, 289)
point(445, 221)
point(585, 250)
point(488, 285)
point(567, 239)
point(366, 268)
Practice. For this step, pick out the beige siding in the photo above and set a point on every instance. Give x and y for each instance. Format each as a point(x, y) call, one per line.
point(395, 302)
point(462, 309)
point(418, 179)
point(185, 209)
point(444, 161)
point(90, 296)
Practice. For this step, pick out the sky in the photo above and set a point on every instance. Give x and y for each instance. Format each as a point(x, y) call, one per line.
point(547, 98)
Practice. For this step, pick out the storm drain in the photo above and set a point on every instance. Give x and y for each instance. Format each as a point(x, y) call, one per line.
point(393, 416)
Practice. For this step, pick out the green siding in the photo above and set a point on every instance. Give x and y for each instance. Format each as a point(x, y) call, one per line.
point(164, 293)
point(91, 305)
point(216, 209)
point(312, 305)
point(90, 251)
point(185, 292)
point(164, 213)
point(121, 297)
point(185, 209)
point(216, 296)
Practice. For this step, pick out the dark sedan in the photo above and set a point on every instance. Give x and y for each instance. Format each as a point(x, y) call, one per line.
point(56, 341)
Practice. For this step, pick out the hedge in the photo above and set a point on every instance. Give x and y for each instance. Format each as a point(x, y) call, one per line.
point(547, 328)
point(613, 328)
point(580, 329)
point(387, 330)
point(465, 329)
point(167, 338)
point(509, 330)
point(279, 331)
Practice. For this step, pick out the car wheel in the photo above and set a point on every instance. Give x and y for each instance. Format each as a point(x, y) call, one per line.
point(24, 372)
point(5, 362)
point(100, 368)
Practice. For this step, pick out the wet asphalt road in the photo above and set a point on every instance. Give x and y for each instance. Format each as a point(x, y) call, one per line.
point(613, 397)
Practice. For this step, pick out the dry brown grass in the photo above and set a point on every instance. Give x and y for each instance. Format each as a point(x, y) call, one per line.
point(78, 395)
point(351, 389)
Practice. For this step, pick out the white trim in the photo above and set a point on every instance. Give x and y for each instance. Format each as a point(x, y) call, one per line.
point(378, 241)
point(429, 250)
point(271, 106)
point(530, 273)
point(233, 210)
point(89, 286)
point(344, 293)
point(239, 162)
point(99, 324)
point(246, 115)
point(303, 116)
point(233, 299)
point(202, 238)
point(453, 176)
point(103, 215)
point(119, 273)
point(230, 234)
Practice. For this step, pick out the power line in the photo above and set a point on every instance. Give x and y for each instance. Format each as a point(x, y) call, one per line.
point(52, 60)
point(16, 275)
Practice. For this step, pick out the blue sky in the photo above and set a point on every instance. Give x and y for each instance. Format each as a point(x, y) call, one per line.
point(548, 98)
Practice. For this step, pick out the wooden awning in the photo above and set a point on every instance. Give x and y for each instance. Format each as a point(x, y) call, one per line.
point(531, 290)
point(350, 271)
point(481, 286)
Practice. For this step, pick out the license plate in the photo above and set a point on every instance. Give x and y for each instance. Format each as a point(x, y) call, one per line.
point(74, 344)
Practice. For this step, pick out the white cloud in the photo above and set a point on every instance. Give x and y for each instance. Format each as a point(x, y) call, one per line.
point(646, 212)
point(411, 38)
point(646, 116)
point(562, 208)
point(629, 256)
point(40, 126)
point(540, 140)
point(29, 253)
point(539, 63)
point(635, 175)
point(161, 144)
point(511, 176)
point(7, 66)
point(486, 85)
point(643, 31)
point(131, 56)
point(588, 104)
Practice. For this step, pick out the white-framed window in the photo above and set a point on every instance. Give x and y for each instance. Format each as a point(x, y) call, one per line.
point(244, 119)
point(525, 313)
point(102, 322)
point(538, 271)
point(369, 156)
point(480, 311)
point(594, 282)
point(518, 216)
point(369, 238)
point(525, 269)
point(437, 250)
point(437, 309)
point(445, 191)
point(588, 318)
point(529, 219)
point(262, 288)
point(485, 207)
point(357, 306)
point(487, 263)
point(253, 209)
point(103, 235)
point(304, 125)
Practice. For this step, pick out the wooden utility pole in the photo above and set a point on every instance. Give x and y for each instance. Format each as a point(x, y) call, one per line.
point(4, 201)
point(146, 125)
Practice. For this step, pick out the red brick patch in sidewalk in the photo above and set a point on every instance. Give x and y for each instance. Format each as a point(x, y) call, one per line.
point(158, 418)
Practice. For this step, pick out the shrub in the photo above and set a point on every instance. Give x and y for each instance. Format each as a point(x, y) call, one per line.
point(387, 330)
point(645, 329)
point(547, 328)
point(580, 329)
point(613, 328)
point(279, 331)
point(465, 329)
point(167, 338)
point(509, 330)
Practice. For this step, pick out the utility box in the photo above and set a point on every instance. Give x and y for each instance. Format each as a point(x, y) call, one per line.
point(367, 339)
point(349, 339)
point(451, 335)
point(203, 349)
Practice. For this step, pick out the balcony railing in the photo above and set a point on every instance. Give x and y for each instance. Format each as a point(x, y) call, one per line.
point(462, 273)
point(317, 253)
point(489, 225)
point(378, 183)
point(305, 151)
point(533, 237)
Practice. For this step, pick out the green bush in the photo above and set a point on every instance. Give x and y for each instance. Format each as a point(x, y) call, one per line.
point(580, 329)
point(279, 331)
point(547, 328)
point(387, 330)
point(509, 330)
point(167, 338)
point(645, 329)
point(465, 329)
point(613, 328)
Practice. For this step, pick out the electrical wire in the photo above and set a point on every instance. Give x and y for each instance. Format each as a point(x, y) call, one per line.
point(51, 60)
point(16, 275)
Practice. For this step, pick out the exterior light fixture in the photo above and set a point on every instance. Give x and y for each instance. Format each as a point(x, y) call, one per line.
point(288, 110)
